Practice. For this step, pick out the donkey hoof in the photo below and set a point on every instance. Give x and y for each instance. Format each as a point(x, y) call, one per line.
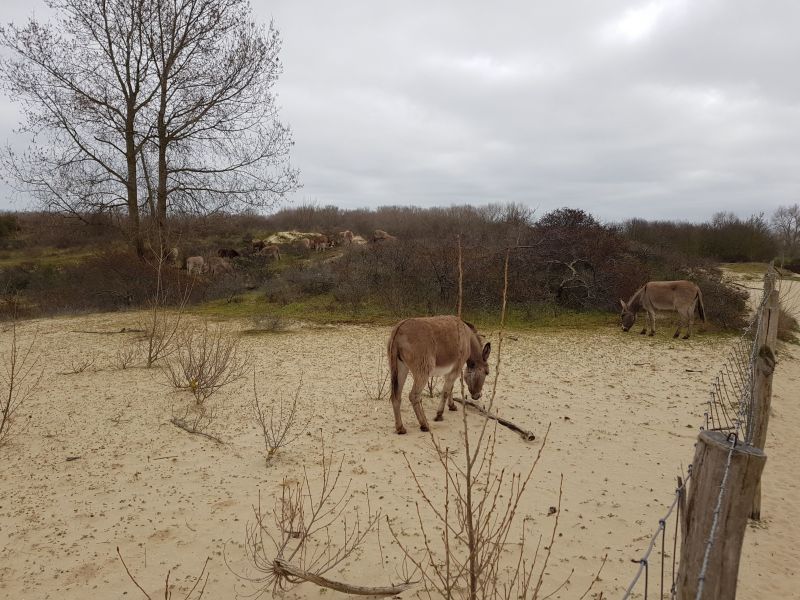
point(652, 333)
point(676, 334)
point(643, 331)
point(401, 430)
point(439, 417)
point(452, 407)
point(686, 337)
point(424, 428)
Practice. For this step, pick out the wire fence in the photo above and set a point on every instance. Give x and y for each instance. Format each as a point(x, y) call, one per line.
point(730, 410)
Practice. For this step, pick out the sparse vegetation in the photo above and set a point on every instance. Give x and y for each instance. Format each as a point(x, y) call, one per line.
point(19, 380)
point(206, 359)
point(279, 420)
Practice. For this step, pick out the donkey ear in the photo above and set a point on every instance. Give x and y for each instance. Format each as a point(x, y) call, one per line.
point(486, 350)
point(622, 302)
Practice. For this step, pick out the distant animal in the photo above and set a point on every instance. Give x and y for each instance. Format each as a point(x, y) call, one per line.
point(379, 235)
point(195, 265)
point(346, 237)
point(434, 346)
point(302, 244)
point(258, 245)
point(682, 297)
point(271, 251)
point(227, 253)
point(218, 265)
point(173, 256)
point(320, 241)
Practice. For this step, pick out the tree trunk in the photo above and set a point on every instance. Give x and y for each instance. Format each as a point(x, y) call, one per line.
point(135, 229)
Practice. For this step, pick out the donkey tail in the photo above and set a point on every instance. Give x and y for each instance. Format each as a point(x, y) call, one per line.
point(700, 308)
point(394, 355)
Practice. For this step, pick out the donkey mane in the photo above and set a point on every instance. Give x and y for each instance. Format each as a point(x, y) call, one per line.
point(635, 303)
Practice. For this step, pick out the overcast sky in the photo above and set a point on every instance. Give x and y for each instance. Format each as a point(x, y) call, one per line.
point(658, 109)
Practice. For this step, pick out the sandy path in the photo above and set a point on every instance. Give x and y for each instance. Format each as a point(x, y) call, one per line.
point(623, 411)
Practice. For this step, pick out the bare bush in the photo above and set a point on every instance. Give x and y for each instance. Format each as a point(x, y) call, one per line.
point(279, 421)
point(206, 360)
point(19, 380)
point(195, 592)
point(375, 381)
point(127, 354)
point(79, 364)
point(164, 324)
point(297, 540)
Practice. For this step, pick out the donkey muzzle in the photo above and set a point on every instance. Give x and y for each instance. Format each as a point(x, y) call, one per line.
point(476, 396)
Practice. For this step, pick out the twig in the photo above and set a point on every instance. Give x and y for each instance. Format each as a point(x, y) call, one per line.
point(286, 569)
point(182, 424)
point(526, 435)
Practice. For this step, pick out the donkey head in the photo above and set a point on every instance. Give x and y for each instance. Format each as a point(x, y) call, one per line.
point(628, 316)
point(477, 370)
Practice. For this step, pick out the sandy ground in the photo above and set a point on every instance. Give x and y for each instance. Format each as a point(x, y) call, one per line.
point(623, 411)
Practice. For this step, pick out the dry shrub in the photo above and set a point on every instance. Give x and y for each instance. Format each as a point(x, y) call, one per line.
point(164, 324)
point(206, 359)
point(375, 381)
point(127, 354)
point(279, 420)
point(311, 530)
point(19, 380)
point(195, 592)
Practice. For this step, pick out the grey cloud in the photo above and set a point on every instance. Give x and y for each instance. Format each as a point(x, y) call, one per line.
point(550, 104)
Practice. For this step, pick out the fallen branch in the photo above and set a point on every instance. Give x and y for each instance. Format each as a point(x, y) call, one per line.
point(285, 569)
point(528, 436)
point(123, 330)
point(182, 424)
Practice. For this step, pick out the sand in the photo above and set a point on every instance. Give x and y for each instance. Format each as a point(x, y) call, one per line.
point(623, 412)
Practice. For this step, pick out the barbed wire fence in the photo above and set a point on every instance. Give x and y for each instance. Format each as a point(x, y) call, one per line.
point(731, 424)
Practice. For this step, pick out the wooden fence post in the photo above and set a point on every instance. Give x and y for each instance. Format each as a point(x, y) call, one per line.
point(762, 385)
point(708, 470)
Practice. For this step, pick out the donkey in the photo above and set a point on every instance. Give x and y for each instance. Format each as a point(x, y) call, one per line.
point(683, 297)
point(431, 346)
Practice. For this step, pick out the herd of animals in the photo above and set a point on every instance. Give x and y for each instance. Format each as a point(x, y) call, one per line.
point(444, 345)
point(222, 264)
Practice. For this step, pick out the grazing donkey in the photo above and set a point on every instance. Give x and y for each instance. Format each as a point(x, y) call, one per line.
point(683, 297)
point(431, 346)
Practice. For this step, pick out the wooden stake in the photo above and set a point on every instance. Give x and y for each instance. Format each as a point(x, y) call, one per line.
point(710, 460)
point(762, 385)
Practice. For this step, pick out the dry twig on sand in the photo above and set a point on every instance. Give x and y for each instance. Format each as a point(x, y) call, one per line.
point(301, 544)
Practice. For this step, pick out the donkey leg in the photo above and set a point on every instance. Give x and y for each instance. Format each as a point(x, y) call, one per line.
point(689, 319)
point(402, 373)
point(416, 402)
point(447, 396)
point(651, 316)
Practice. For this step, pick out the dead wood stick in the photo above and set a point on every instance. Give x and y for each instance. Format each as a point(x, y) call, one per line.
point(284, 568)
point(528, 436)
point(181, 424)
point(123, 330)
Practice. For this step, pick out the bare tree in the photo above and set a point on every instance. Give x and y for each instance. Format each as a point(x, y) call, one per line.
point(217, 141)
point(172, 97)
point(195, 592)
point(786, 225)
point(83, 83)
